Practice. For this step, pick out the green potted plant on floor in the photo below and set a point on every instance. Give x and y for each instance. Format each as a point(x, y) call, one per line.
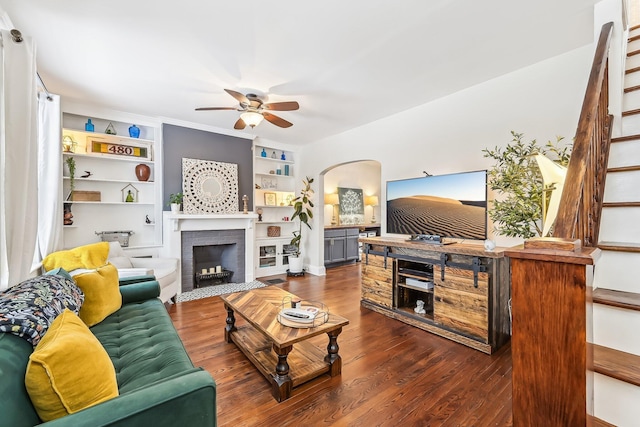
point(175, 200)
point(302, 209)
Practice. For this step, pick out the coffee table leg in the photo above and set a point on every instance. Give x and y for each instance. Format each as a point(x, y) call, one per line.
point(333, 358)
point(231, 323)
point(281, 382)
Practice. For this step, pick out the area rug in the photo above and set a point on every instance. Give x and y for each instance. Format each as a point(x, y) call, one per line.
point(215, 290)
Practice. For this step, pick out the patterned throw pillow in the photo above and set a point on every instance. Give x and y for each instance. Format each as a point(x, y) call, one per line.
point(28, 309)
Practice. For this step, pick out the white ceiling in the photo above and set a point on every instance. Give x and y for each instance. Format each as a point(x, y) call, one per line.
point(347, 62)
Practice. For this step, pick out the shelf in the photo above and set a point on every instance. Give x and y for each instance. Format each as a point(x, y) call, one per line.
point(415, 288)
point(107, 136)
point(416, 274)
point(273, 175)
point(109, 157)
point(281, 207)
point(413, 313)
point(107, 203)
point(127, 181)
point(264, 240)
point(278, 160)
point(275, 222)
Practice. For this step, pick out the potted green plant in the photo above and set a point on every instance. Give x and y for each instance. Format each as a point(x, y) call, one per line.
point(175, 200)
point(302, 209)
point(71, 165)
point(516, 177)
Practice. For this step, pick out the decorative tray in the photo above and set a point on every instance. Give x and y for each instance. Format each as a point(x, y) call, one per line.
point(302, 314)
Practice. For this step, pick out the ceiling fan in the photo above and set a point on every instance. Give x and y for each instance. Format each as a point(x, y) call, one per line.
point(254, 110)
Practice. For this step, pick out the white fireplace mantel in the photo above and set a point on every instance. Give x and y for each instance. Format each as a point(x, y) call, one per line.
point(174, 224)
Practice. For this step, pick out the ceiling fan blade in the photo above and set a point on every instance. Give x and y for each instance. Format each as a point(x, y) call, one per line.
point(277, 120)
point(215, 108)
point(240, 124)
point(282, 106)
point(238, 96)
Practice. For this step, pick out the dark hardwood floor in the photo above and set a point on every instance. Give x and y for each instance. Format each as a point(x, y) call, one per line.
point(392, 374)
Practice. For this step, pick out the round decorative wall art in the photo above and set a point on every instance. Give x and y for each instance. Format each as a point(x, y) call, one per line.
point(209, 187)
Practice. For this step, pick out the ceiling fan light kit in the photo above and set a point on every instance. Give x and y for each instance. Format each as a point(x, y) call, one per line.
point(254, 110)
point(251, 118)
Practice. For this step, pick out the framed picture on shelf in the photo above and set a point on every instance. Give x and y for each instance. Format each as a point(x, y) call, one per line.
point(269, 183)
point(270, 199)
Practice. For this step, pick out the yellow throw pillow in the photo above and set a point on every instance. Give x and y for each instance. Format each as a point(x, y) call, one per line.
point(87, 256)
point(69, 370)
point(101, 293)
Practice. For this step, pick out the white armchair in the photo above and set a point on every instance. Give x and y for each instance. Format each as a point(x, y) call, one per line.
point(165, 270)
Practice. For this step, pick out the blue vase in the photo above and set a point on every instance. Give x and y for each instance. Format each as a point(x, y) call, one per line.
point(134, 131)
point(283, 157)
point(264, 153)
point(286, 170)
point(88, 126)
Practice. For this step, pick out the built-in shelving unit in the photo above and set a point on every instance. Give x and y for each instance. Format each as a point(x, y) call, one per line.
point(274, 192)
point(109, 163)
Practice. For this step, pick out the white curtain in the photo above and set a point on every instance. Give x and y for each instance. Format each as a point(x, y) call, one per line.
point(18, 159)
point(50, 204)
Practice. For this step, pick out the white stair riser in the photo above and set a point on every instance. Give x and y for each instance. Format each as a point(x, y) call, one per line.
point(618, 271)
point(632, 62)
point(633, 46)
point(632, 79)
point(616, 328)
point(615, 401)
point(631, 101)
point(625, 153)
point(630, 125)
point(622, 187)
point(620, 225)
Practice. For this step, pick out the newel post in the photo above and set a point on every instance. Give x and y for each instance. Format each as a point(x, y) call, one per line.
point(551, 281)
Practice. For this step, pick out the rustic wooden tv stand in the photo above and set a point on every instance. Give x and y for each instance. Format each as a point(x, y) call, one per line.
point(465, 289)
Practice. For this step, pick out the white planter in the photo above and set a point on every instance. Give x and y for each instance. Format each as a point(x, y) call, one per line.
point(175, 208)
point(295, 264)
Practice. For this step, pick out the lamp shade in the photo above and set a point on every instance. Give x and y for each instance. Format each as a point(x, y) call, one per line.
point(331, 199)
point(251, 118)
point(372, 201)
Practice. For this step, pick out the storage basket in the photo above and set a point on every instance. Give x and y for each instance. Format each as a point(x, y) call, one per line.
point(115, 236)
point(273, 231)
point(85, 196)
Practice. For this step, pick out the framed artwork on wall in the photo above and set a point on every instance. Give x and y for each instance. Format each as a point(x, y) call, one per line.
point(270, 199)
point(209, 187)
point(351, 210)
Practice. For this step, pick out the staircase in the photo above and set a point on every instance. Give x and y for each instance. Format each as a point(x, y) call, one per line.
point(616, 295)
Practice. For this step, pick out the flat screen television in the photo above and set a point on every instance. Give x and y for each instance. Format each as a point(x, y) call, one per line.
point(453, 205)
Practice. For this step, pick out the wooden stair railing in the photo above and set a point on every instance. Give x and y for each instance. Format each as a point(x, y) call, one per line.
point(581, 203)
point(551, 278)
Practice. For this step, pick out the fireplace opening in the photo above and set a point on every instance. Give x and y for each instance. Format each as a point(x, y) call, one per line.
point(224, 248)
point(214, 264)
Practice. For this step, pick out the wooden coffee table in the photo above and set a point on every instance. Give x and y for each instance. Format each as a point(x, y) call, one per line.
point(284, 370)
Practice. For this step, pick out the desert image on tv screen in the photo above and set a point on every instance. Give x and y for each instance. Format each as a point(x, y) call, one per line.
point(446, 205)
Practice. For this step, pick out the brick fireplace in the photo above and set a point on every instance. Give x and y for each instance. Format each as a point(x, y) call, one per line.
point(224, 240)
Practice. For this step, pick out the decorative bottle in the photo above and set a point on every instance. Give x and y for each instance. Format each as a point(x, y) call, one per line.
point(263, 153)
point(134, 131)
point(273, 155)
point(88, 126)
point(283, 157)
point(129, 198)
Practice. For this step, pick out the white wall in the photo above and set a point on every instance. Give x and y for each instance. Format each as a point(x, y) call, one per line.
point(362, 174)
point(448, 135)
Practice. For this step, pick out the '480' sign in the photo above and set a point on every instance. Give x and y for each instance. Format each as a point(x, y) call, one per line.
point(110, 148)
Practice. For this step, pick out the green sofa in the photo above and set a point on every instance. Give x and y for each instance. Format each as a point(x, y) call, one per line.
point(157, 382)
